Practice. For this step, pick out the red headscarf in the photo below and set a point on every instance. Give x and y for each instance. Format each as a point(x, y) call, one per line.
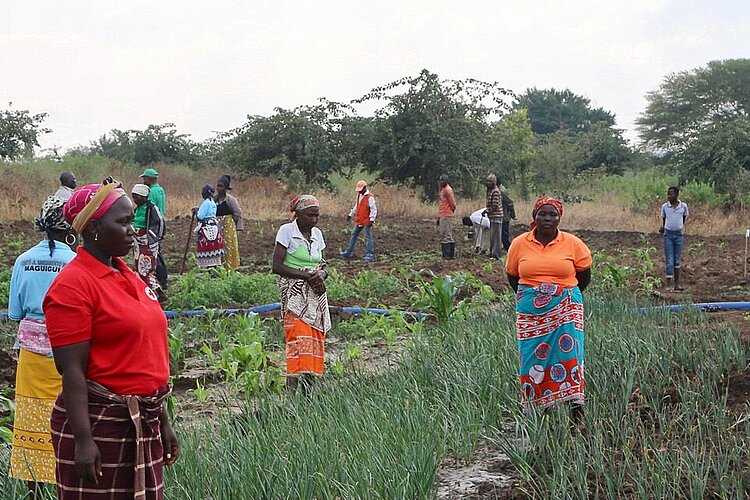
point(84, 196)
point(545, 200)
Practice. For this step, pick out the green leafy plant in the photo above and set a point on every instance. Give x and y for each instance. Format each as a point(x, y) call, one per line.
point(8, 406)
point(244, 361)
point(439, 297)
point(200, 392)
point(221, 288)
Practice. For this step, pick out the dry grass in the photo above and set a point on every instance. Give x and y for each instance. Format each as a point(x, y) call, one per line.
point(616, 216)
point(263, 198)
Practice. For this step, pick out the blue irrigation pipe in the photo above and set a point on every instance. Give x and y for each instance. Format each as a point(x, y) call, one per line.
point(276, 306)
point(703, 306)
point(384, 312)
point(202, 312)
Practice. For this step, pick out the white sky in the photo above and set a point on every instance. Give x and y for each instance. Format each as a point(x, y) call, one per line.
point(103, 64)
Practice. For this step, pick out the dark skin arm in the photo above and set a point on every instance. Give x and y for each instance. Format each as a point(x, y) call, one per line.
point(315, 279)
point(584, 278)
point(71, 361)
point(513, 281)
point(168, 438)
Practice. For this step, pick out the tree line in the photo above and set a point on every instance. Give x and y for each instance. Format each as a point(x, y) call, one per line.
point(695, 124)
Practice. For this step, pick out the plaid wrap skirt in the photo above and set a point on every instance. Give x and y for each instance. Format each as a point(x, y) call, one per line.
point(126, 429)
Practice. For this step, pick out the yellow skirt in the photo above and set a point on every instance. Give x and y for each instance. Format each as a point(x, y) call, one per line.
point(37, 386)
point(231, 258)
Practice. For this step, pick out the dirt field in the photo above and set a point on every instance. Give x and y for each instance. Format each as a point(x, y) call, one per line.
point(712, 266)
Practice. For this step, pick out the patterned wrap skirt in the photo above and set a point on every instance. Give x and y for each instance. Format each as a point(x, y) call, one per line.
point(306, 321)
point(127, 431)
point(305, 347)
point(209, 244)
point(231, 258)
point(37, 386)
point(549, 320)
point(146, 259)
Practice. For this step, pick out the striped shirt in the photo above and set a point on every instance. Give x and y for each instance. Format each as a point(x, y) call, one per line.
point(494, 205)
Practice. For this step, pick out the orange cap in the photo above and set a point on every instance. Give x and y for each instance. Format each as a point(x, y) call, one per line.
point(360, 186)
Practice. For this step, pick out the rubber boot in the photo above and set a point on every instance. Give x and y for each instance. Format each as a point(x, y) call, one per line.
point(677, 286)
point(449, 250)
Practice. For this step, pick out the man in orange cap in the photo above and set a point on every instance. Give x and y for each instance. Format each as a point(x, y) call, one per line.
point(364, 213)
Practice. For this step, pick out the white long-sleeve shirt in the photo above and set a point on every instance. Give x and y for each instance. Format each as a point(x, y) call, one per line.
point(480, 220)
point(371, 203)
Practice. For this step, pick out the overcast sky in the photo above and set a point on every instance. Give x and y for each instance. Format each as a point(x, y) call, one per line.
point(98, 65)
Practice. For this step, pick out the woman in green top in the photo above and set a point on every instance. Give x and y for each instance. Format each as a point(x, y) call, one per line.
point(298, 260)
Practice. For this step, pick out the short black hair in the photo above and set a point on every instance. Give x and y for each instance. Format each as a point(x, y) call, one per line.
point(675, 189)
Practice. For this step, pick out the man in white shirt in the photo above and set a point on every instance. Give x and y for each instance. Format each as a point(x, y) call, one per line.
point(364, 213)
point(67, 185)
point(674, 213)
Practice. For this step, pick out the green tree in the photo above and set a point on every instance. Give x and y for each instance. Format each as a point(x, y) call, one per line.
point(155, 144)
point(430, 126)
point(304, 141)
point(19, 132)
point(689, 102)
point(699, 119)
point(605, 148)
point(558, 159)
point(551, 110)
point(513, 150)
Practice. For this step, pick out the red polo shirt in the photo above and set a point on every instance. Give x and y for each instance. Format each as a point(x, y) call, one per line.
point(119, 315)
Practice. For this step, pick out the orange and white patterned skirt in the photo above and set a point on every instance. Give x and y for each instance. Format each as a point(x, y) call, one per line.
point(305, 347)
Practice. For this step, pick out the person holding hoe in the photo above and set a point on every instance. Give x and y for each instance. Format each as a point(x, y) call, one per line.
point(364, 212)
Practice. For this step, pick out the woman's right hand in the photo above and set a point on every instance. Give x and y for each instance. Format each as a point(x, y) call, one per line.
point(88, 460)
point(316, 281)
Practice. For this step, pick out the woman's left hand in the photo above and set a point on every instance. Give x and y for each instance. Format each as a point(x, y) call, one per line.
point(169, 442)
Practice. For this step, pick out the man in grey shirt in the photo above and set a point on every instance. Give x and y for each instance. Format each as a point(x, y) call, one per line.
point(67, 185)
point(674, 213)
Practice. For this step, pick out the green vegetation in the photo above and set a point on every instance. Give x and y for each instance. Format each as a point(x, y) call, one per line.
point(659, 428)
point(645, 189)
point(221, 288)
point(19, 133)
point(5, 286)
point(700, 119)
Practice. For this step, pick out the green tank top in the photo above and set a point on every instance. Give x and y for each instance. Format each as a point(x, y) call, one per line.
point(301, 259)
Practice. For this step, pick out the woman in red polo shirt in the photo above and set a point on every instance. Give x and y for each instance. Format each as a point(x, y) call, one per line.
point(548, 269)
point(110, 432)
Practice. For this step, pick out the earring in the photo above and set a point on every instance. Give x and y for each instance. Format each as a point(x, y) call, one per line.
point(96, 237)
point(72, 239)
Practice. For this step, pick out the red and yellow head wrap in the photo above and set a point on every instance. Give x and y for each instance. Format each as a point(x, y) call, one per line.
point(302, 202)
point(91, 202)
point(545, 200)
